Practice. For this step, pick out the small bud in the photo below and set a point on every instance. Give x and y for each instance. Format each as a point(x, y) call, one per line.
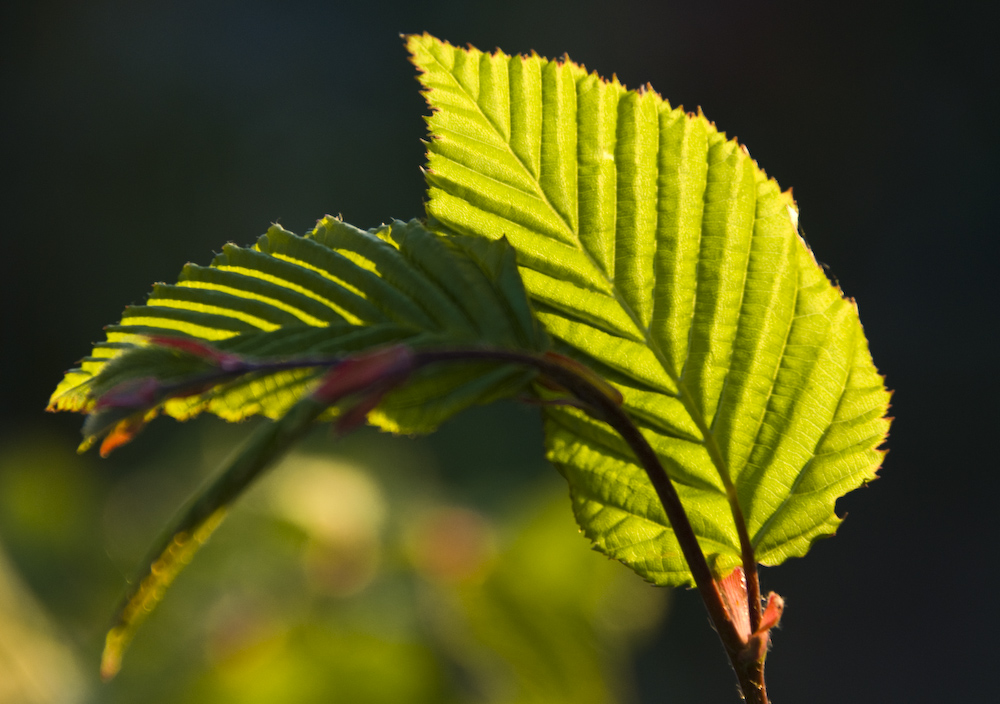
point(772, 612)
point(757, 645)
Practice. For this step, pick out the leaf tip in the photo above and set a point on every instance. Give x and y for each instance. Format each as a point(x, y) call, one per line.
point(418, 43)
point(121, 434)
point(111, 657)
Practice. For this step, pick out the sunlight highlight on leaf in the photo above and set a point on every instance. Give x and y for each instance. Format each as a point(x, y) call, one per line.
point(660, 255)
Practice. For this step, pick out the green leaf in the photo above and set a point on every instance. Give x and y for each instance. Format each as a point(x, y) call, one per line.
point(337, 291)
point(196, 523)
point(657, 252)
point(286, 309)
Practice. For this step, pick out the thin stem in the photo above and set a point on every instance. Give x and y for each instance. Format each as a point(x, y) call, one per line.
point(750, 673)
point(748, 667)
point(749, 567)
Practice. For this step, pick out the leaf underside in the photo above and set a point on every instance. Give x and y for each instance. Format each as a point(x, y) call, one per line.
point(336, 291)
point(656, 251)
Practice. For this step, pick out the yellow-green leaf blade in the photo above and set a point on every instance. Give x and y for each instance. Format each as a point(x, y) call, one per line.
point(667, 260)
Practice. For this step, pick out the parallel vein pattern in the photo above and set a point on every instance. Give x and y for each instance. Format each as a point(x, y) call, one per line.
point(656, 251)
point(335, 291)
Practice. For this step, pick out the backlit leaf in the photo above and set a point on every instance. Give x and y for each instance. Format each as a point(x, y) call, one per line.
point(657, 252)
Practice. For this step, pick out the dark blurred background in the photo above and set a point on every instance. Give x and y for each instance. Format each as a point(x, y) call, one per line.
point(135, 137)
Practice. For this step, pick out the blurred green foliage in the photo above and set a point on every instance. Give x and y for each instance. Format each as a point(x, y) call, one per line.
point(365, 570)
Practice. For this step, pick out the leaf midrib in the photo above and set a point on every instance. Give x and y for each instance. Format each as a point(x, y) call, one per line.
point(708, 439)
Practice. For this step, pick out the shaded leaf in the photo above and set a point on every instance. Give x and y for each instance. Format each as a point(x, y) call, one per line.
point(289, 328)
point(337, 291)
point(196, 523)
